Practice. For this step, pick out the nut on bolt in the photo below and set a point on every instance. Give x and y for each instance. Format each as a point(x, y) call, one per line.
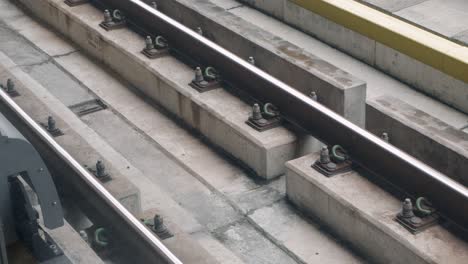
point(51, 127)
point(385, 137)
point(10, 88)
point(251, 60)
point(325, 155)
point(154, 5)
point(100, 172)
point(156, 224)
point(313, 96)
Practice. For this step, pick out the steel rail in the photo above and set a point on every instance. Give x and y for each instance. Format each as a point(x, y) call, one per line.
point(397, 167)
point(113, 209)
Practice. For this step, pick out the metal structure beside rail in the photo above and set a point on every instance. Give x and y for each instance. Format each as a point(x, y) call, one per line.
point(141, 241)
point(369, 151)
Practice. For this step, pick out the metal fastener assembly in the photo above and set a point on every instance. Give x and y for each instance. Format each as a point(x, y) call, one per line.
point(114, 20)
point(100, 172)
point(158, 227)
point(10, 88)
point(155, 49)
point(333, 163)
point(265, 120)
point(51, 127)
point(418, 218)
point(154, 5)
point(205, 81)
point(199, 30)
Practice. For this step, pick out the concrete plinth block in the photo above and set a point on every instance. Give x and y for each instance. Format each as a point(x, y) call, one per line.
point(423, 136)
point(217, 114)
point(362, 213)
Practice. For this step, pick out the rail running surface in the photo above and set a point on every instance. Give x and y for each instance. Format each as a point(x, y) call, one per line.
point(369, 151)
point(145, 242)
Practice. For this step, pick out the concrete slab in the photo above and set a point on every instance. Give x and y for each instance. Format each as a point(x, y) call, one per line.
point(59, 83)
point(307, 240)
point(250, 245)
point(462, 37)
point(11, 43)
point(216, 249)
point(393, 5)
point(266, 152)
point(209, 209)
point(423, 136)
point(362, 214)
point(227, 4)
point(181, 244)
point(444, 17)
point(40, 36)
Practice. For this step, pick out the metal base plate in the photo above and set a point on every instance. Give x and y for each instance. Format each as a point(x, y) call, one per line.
point(88, 107)
point(269, 124)
point(418, 224)
point(155, 53)
point(76, 2)
point(205, 88)
point(12, 94)
point(334, 169)
point(113, 25)
point(104, 178)
point(54, 133)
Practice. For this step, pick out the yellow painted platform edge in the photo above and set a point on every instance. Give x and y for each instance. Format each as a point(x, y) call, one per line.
point(426, 47)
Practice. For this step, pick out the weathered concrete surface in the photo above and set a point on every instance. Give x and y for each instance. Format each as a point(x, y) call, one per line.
point(409, 70)
point(304, 238)
point(304, 71)
point(393, 5)
point(362, 213)
point(423, 136)
point(76, 145)
point(181, 244)
point(217, 114)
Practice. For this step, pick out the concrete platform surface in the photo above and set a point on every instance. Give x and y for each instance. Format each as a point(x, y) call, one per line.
point(446, 17)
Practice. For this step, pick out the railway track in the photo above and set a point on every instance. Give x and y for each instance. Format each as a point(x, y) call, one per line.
point(365, 149)
point(368, 151)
